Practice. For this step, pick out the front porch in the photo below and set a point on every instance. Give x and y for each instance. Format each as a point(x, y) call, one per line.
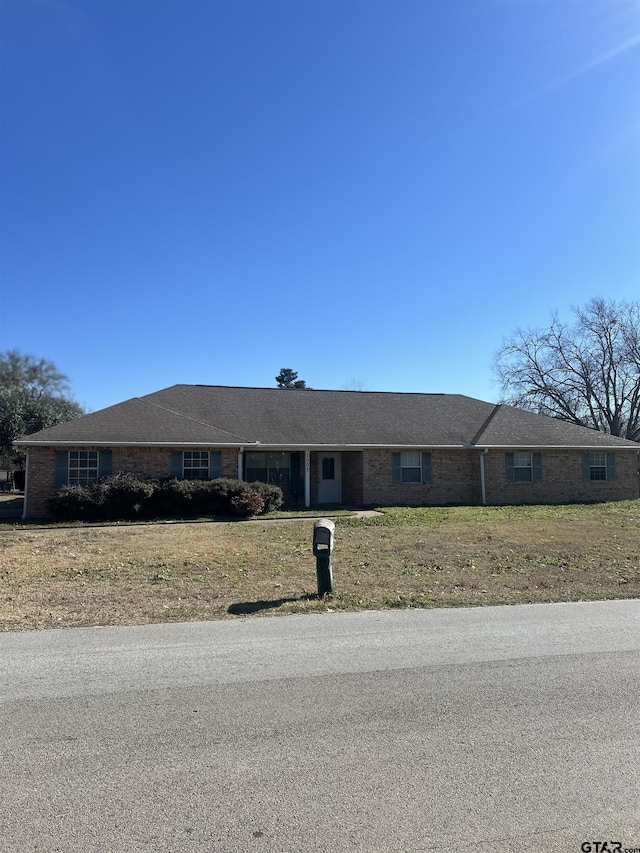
point(308, 477)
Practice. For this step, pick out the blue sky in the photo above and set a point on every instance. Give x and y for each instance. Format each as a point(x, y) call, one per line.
point(371, 193)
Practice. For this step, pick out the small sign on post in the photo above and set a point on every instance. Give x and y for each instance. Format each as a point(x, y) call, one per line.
point(323, 539)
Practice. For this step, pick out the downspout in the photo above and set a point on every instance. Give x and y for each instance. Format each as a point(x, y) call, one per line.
point(26, 485)
point(483, 488)
point(240, 462)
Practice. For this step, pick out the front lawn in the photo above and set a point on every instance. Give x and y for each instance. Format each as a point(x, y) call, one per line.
point(428, 557)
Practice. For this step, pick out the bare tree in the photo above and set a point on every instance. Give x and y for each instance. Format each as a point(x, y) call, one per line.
point(354, 384)
point(586, 372)
point(27, 374)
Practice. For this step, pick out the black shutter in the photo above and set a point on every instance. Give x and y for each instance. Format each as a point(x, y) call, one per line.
point(215, 464)
point(611, 466)
point(426, 467)
point(61, 469)
point(396, 469)
point(176, 463)
point(537, 467)
point(508, 459)
point(104, 463)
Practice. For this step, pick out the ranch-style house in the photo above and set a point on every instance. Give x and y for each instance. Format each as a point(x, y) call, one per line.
point(351, 448)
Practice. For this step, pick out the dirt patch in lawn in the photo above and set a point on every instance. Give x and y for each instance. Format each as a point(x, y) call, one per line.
point(433, 557)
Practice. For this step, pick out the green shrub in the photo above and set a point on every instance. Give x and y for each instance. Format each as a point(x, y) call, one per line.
point(271, 495)
point(203, 498)
point(76, 503)
point(187, 498)
point(222, 491)
point(123, 496)
point(172, 498)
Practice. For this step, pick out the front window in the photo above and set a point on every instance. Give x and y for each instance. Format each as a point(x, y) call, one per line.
point(196, 465)
point(266, 467)
point(83, 467)
point(598, 466)
point(410, 468)
point(522, 467)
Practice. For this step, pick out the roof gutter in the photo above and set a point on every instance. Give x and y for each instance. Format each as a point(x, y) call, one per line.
point(168, 443)
point(318, 446)
point(264, 445)
point(533, 446)
point(260, 445)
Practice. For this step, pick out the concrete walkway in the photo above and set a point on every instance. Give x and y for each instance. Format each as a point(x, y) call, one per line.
point(358, 513)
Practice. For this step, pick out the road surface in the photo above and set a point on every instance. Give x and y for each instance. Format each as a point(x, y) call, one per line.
point(488, 729)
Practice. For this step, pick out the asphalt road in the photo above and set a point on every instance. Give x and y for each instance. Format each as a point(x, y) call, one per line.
point(493, 729)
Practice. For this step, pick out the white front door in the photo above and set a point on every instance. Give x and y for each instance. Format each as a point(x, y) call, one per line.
point(329, 482)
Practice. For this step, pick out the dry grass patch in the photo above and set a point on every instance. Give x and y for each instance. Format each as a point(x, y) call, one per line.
point(63, 577)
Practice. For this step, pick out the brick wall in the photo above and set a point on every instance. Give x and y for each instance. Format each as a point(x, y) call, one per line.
point(561, 480)
point(352, 478)
point(455, 480)
point(152, 462)
point(366, 477)
point(39, 481)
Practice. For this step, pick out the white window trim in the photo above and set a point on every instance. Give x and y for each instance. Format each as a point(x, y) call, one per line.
point(403, 456)
point(600, 466)
point(201, 467)
point(528, 467)
point(72, 478)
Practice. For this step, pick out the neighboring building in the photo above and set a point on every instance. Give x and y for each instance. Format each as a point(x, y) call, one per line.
point(357, 448)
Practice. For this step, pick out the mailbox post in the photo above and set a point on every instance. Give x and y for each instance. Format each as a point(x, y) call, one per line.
point(323, 537)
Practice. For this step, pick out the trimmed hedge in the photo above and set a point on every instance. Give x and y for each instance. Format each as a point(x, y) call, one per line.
point(76, 503)
point(122, 496)
point(127, 497)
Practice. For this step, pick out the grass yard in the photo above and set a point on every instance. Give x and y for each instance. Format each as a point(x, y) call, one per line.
point(430, 557)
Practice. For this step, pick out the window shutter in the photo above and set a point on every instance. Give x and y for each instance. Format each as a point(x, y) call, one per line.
point(61, 469)
point(586, 466)
point(611, 466)
point(426, 467)
point(104, 463)
point(176, 463)
point(396, 471)
point(537, 467)
point(508, 458)
point(215, 464)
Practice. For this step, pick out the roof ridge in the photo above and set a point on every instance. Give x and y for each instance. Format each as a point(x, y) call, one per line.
point(195, 420)
point(321, 390)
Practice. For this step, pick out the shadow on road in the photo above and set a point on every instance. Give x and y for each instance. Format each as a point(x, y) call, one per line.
point(242, 608)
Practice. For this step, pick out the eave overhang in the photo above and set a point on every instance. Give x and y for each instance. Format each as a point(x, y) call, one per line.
point(258, 445)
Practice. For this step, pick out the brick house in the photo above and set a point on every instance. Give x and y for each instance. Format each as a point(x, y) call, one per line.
point(356, 448)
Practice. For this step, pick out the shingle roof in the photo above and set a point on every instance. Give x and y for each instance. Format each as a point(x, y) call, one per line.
point(219, 415)
point(516, 428)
